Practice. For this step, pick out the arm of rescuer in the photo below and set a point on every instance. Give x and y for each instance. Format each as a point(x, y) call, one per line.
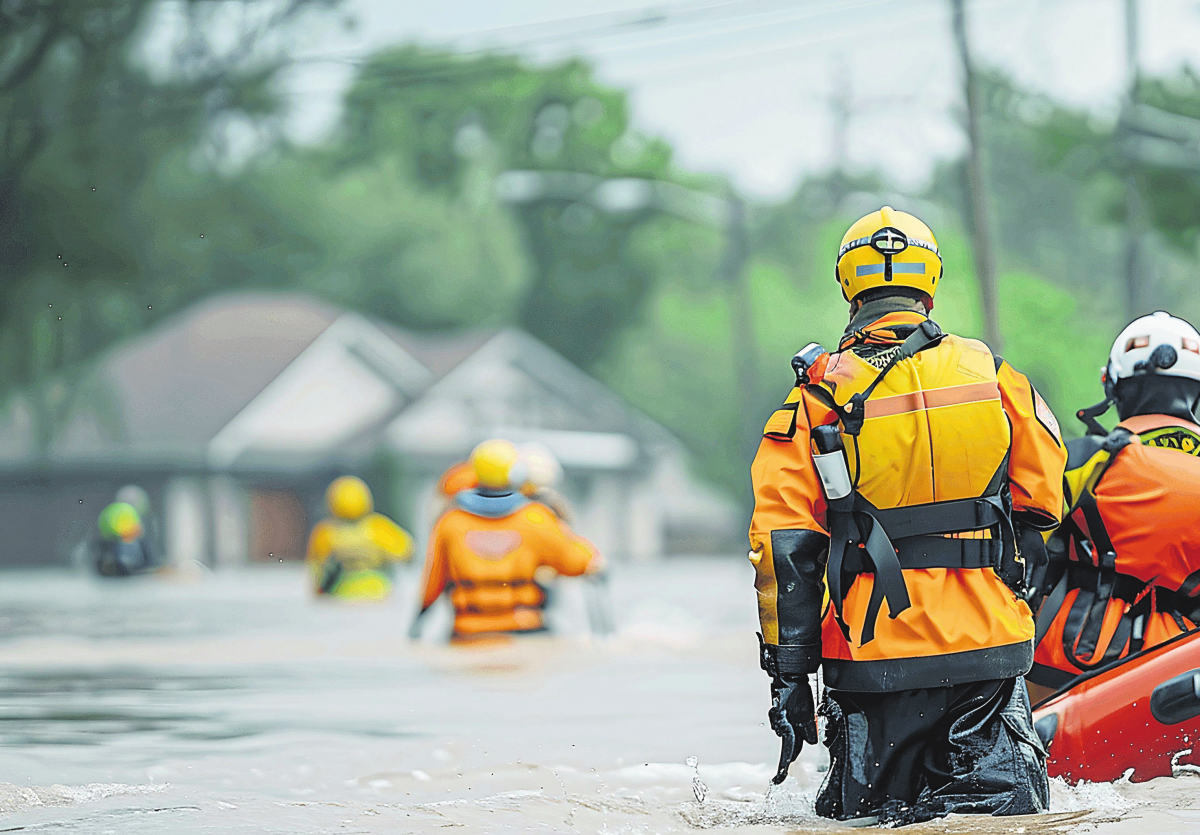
point(320, 546)
point(789, 548)
point(390, 538)
point(1036, 463)
point(560, 548)
point(434, 576)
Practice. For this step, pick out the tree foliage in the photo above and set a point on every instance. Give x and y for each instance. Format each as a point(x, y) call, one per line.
point(132, 185)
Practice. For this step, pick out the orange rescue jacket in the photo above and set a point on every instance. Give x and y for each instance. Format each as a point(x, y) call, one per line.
point(487, 550)
point(1130, 576)
point(944, 448)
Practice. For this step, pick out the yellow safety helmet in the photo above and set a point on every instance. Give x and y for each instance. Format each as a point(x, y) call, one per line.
point(888, 248)
point(498, 465)
point(349, 498)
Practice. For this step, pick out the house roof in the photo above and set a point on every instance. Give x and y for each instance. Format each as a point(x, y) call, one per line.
point(253, 378)
point(184, 380)
point(170, 391)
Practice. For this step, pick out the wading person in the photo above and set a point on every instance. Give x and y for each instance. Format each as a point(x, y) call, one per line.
point(122, 549)
point(1124, 573)
point(352, 554)
point(895, 491)
point(493, 549)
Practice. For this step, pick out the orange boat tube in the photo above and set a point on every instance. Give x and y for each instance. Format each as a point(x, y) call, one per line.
point(1140, 714)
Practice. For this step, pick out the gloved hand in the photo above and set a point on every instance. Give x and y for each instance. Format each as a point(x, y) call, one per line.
point(793, 718)
point(1033, 551)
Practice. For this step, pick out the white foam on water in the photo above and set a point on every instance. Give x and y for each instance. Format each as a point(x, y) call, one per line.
point(1085, 796)
point(779, 806)
point(14, 798)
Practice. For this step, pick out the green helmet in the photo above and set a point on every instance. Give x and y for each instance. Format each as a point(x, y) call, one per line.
point(119, 521)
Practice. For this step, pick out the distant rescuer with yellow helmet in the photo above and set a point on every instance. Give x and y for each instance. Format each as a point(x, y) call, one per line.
point(909, 473)
point(351, 555)
point(492, 543)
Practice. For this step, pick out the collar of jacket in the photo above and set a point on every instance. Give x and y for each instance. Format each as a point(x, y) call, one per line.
point(1138, 424)
point(1172, 396)
point(881, 330)
point(490, 505)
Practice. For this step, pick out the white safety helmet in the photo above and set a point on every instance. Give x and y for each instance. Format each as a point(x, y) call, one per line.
point(541, 467)
point(1159, 344)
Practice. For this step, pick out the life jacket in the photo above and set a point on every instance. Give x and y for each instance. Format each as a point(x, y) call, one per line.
point(353, 544)
point(1105, 601)
point(922, 562)
point(488, 550)
point(355, 558)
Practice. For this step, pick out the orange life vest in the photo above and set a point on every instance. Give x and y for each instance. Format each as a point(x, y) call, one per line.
point(1130, 579)
point(488, 554)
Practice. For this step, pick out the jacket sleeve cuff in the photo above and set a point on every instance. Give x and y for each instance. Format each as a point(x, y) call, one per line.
point(788, 660)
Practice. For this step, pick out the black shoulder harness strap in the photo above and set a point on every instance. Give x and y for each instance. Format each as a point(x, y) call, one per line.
point(855, 527)
point(925, 335)
point(1098, 582)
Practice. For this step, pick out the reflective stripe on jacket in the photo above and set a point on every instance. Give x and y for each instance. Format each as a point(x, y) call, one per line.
point(951, 433)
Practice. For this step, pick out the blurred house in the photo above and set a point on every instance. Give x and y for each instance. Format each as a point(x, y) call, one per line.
point(236, 413)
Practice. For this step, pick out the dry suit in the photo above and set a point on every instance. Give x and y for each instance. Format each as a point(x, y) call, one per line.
point(924, 635)
point(487, 550)
point(1125, 573)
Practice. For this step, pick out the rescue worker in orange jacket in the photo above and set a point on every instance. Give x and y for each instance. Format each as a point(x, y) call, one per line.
point(492, 545)
point(907, 475)
point(1125, 569)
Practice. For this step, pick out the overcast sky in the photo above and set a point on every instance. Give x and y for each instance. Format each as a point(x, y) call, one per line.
point(748, 88)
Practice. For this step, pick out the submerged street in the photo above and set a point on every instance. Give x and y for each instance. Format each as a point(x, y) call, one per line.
point(233, 703)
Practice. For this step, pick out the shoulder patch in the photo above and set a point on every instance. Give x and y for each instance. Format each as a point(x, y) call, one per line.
point(781, 426)
point(1045, 416)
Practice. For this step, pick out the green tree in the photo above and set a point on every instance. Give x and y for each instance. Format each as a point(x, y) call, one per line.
point(446, 118)
point(109, 176)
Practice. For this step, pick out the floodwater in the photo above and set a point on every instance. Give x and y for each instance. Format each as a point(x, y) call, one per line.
point(232, 703)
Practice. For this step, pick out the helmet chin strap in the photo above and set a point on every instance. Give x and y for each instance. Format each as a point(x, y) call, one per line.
point(1089, 415)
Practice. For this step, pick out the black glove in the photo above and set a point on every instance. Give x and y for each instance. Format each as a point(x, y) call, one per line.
point(1033, 552)
point(331, 572)
point(793, 718)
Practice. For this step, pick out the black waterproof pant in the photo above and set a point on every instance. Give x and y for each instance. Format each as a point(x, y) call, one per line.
point(915, 755)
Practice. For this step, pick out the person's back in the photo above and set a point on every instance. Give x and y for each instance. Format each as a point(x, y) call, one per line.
point(490, 548)
point(352, 553)
point(935, 435)
point(1126, 561)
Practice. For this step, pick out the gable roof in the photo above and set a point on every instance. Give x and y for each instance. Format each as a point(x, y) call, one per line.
point(178, 384)
point(283, 380)
point(201, 375)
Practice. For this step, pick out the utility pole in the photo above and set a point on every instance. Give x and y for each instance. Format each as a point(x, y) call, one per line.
point(985, 257)
point(1136, 278)
point(842, 112)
